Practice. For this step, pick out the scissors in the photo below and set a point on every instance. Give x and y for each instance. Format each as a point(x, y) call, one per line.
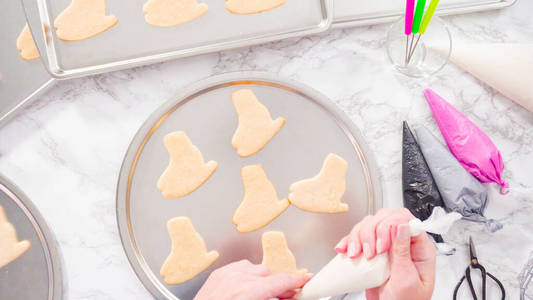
point(474, 264)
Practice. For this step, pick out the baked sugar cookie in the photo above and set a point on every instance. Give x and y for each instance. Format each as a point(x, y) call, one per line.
point(26, 45)
point(322, 193)
point(189, 256)
point(166, 13)
point(251, 6)
point(276, 254)
point(260, 204)
point(187, 170)
point(10, 247)
point(83, 19)
point(256, 127)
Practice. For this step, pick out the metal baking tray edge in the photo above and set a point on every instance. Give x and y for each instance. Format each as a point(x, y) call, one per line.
point(12, 112)
point(57, 72)
point(53, 254)
point(444, 11)
point(131, 155)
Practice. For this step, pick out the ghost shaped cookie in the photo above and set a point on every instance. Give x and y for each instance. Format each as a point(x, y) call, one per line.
point(83, 19)
point(188, 256)
point(322, 193)
point(260, 204)
point(166, 13)
point(10, 247)
point(26, 45)
point(256, 128)
point(187, 170)
point(276, 254)
point(251, 6)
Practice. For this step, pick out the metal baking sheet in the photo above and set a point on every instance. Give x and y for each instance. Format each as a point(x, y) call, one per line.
point(360, 12)
point(132, 42)
point(21, 80)
point(314, 128)
point(36, 274)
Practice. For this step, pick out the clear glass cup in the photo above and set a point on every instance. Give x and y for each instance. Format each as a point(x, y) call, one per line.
point(431, 53)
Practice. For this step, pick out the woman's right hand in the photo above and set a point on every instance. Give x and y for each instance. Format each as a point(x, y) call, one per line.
point(412, 259)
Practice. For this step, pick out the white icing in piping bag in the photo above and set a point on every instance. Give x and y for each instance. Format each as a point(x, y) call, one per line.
point(344, 275)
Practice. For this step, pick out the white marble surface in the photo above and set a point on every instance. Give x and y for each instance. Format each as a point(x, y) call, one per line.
point(65, 149)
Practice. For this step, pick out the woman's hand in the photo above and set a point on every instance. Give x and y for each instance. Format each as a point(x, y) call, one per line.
point(412, 258)
point(244, 280)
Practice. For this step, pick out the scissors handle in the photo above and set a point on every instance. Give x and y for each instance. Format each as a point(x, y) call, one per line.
point(484, 275)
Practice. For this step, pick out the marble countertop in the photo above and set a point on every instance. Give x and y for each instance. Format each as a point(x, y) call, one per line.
point(65, 149)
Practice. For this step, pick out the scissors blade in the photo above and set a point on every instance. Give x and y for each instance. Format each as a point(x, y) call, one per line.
point(473, 254)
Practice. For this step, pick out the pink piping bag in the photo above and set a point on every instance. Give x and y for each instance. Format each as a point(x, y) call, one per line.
point(471, 146)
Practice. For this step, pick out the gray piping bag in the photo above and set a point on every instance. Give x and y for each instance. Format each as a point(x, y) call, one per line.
point(461, 191)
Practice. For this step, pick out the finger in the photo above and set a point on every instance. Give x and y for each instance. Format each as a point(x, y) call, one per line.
point(423, 255)
point(287, 294)
point(367, 234)
point(3, 218)
point(342, 246)
point(280, 283)
point(372, 294)
point(259, 270)
point(401, 262)
point(386, 229)
point(353, 241)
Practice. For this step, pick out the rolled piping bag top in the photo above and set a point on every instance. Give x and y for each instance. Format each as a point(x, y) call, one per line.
point(344, 275)
point(461, 191)
point(471, 146)
point(420, 192)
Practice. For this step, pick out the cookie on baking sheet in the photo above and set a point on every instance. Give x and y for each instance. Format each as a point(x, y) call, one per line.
point(10, 247)
point(260, 204)
point(322, 193)
point(251, 6)
point(187, 170)
point(276, 254)
point(26, 45)
point(167, 13)
point(189, 256)
point(83, 19)
point(256, 127)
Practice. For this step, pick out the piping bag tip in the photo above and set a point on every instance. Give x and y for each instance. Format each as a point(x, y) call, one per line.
point(504, 189)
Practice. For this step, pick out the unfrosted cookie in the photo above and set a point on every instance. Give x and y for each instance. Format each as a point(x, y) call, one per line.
point(83, 19)
point(26, 45)
point(276, 254)
point(10, 247)
point(166, 13)
point(251, 6)
point(322, 193)
point(256, 127)
point(188, 256)
point(260, 204)
point(187, 170)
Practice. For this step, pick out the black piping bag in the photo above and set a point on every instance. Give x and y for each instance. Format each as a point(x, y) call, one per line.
point(460, 190)
point(420, 192)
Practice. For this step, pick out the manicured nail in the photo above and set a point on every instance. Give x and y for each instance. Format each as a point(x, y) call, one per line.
point(379, 245)
point(366, 250)
point(340, 246)
point(351, 249)
point(403, 232)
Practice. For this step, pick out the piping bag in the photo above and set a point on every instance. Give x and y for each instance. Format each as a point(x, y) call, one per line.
point(420, 192)
point(471, 146)
point(344, 275)
point(460, 190)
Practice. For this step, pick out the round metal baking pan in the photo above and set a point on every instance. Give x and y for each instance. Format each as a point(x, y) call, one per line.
point(37, 273)
point(314, 128)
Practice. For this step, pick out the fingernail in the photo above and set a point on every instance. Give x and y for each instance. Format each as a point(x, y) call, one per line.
point(309, 275)
point(339, 246)
point(379, 245)
point(403, 232)
point(366, 250)
point(351, 250)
